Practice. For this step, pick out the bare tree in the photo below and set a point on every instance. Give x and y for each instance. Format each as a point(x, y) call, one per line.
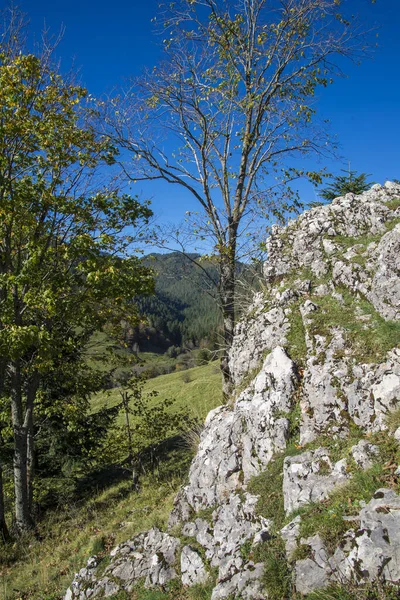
point(228, 108)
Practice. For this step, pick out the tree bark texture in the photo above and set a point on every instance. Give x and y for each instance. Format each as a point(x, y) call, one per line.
point(4, 534)
point(227, 298)
point(23, 520)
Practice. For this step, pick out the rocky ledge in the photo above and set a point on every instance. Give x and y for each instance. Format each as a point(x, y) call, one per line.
point(302, 466)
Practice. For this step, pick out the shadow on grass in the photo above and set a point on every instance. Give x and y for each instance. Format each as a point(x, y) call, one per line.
point(170, 458)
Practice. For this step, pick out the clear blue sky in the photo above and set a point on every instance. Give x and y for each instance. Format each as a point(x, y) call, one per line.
point(112, 40)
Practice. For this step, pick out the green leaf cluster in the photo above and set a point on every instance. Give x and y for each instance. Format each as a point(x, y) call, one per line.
point(67, 265)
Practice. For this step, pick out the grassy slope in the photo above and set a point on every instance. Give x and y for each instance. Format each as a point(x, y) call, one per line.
point(46, 568)
point(42, 570)
point(200, 394)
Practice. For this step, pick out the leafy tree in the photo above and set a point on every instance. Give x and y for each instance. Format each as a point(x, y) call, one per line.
point(226, 112)
point(145, 424)
point(66, 262)
point(341, 185)
point(67, 431)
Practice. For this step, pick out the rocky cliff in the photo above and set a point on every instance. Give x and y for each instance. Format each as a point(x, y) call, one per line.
point(295, 485)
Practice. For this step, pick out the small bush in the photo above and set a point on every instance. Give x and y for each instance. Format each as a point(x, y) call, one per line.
point(173, 351)
point(186, 377)
point(204, 356)
point(191, 438)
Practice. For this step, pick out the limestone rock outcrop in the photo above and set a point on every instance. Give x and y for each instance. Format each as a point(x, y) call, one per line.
point(316, 364)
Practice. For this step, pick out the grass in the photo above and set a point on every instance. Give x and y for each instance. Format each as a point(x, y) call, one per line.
point(393, 420)
point(106, 355)
point(370, 341)
point(326, 517)
point(268, 486)
point(41, 568)
point(277, 578)
point(357, 591)
point(346, 242)
point(199, 395)
point(393, 204)
point(296, 337)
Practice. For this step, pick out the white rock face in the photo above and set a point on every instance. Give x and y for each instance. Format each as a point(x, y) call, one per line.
point(347, 216)
point(321, 403)
point(364, 454)
point(312, 573)
point(372, 552)
point(236, 443)
point(192, 567)
point(150, 555)
point(326, 393)
point(373, 391)
point(310, 477)
point(262, 409)
point(243, 584)
point(260, 333)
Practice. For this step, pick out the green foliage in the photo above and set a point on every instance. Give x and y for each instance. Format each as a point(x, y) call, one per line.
point(184, 310)
point(277, 578)
point(370, 340)
point(66, 262)
point(341, 185)
point(64, 258)
point(204, 356)
point(143, 425)
point(296, 337)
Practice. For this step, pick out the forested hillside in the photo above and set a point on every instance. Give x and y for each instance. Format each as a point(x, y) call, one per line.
point(184, 312)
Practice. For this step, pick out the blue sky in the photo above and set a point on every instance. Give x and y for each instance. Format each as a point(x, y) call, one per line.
point(109, 41)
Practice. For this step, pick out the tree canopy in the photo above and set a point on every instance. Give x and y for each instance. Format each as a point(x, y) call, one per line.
point(66, 240)
point(350, 183)
point(228, 110)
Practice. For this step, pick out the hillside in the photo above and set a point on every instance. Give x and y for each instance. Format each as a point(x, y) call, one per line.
point(40, 566)
point(294, 490)
point(183, 312)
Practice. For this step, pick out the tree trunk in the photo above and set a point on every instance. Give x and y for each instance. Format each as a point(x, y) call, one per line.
point(4, 534)
point(23, 519)
point(227, 297)
point(30, 449)
point(135, 473)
